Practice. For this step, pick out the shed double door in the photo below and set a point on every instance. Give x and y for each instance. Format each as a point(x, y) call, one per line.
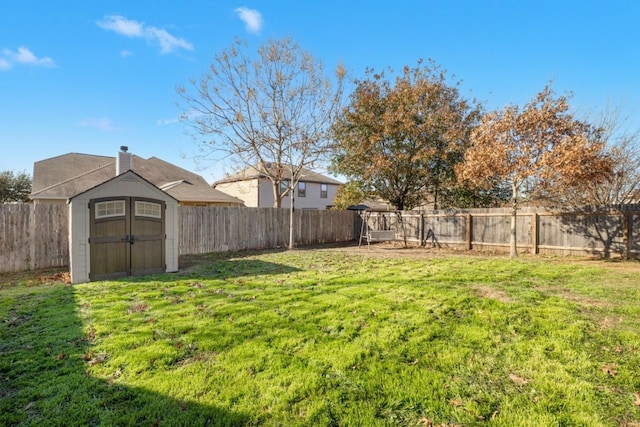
point(127, 237)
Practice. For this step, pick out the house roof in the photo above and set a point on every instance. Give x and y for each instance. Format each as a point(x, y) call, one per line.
point(372, 206)
point(257, 172)
point(65, 176)
point(122, 175)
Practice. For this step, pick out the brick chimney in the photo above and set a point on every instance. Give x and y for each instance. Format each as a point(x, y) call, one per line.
point(124, 162)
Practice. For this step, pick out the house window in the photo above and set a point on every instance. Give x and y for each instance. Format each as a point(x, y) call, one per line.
point(109, 209)
point(323, 191)
point(302, 189)
point(284, 186)
point(149, 209)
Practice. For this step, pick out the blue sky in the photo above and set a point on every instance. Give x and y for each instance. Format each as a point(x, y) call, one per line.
point(90, 76)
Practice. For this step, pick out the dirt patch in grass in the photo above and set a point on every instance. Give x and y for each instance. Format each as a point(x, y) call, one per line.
point(569, 295)
point(610, 322)
point(396, 250)
point(494, 294)
point(35, 277)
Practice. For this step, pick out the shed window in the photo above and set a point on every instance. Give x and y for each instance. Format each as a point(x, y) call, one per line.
point(148, 209)
point(323, 191)
point(109, 209)
point(302, 189)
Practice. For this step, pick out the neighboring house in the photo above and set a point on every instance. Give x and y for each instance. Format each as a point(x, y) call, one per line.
point(57, 179)
point(373, 206)
point(251, 185)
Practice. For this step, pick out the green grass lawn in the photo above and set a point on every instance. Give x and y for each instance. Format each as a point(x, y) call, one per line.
point(328, 338)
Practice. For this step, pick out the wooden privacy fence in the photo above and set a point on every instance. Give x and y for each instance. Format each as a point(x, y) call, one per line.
point(221, 229)
point(36, 236)
point(33, 236)
point(601, 231)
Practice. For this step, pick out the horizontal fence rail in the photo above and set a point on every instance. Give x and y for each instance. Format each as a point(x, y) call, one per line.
point(599, 231)
point(36, 236)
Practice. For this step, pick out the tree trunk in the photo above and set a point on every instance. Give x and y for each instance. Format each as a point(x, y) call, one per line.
point(291, 210)
point(513, 247)
point(435, 198)
point(401, 222)
point(277, 199)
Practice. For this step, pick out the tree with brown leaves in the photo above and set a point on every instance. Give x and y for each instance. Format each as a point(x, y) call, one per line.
point(399, 140)
point(540, 150)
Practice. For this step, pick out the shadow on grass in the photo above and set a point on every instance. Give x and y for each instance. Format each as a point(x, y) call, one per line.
point(226, 265)
point(45, 354)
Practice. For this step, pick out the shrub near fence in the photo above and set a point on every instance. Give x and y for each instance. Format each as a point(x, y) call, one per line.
point(599, 231)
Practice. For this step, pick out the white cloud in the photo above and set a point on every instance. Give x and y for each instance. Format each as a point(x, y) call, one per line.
point(126, 53)
point(186, 115)
point(167, 42)
point(252, 19)
point(165, 122)
point(23, 56)
point(103, 124)
point(122, 25)
point(134, 29)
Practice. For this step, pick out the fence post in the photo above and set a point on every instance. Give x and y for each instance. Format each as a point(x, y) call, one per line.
point(534, 232)
point(469, 231)
point(33, 240)
point(626, 233)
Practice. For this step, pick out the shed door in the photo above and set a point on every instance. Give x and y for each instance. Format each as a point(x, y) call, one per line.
point(127, 237)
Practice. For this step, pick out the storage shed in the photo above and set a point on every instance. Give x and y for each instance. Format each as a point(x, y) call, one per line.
point(125, 226)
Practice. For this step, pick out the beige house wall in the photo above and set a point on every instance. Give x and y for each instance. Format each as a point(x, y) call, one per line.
point(247, 191)
point(265, 194)
point(312, 199)
point(262, 196)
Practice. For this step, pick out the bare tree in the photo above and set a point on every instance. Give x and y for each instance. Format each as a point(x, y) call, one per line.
point(540, 149)
point(623, 148)
point(270, 111)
